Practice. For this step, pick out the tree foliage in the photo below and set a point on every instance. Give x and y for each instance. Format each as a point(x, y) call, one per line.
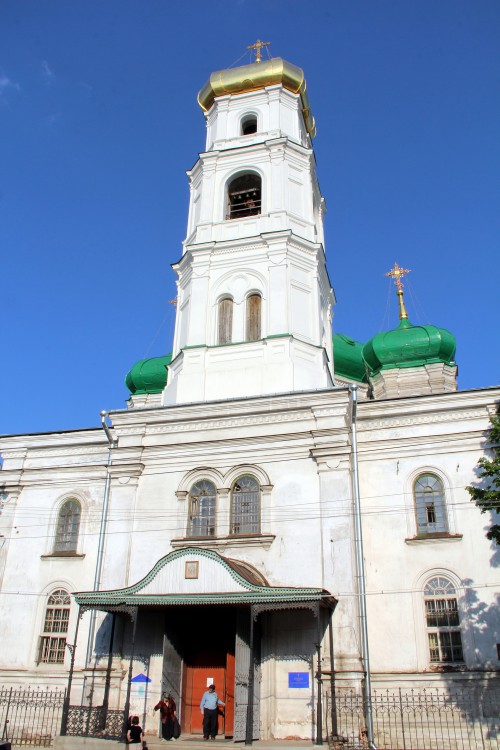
point(486, 494)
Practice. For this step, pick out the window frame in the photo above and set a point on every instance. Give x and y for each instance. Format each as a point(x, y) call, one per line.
point(67, 531)
point(435, 509)
point(443, 622)
point(55, 625)
point(255, 510)
point(208, 516)
point(255, 335)
point(247, 118)
point(244, 211)
point(225, 320)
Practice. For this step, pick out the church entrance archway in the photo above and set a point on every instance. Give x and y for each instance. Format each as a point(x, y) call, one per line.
point(208, 656)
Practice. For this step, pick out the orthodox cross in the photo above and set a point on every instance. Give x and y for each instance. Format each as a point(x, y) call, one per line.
point(258, 49)
point(397, 274)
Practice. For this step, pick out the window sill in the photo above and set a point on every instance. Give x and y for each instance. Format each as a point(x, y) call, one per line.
point(448, 667)
point(62, 555)
point(438, 536)
point(252, 540)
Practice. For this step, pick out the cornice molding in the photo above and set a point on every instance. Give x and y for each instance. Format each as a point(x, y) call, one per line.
point(367, 423)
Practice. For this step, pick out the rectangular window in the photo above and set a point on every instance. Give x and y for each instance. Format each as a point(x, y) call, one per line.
point(52, 650)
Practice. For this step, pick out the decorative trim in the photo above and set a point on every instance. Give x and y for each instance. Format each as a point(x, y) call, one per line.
point(416, 419)
point(62, 556)
point(131, 596)
point(437, 537)
point(260, 540)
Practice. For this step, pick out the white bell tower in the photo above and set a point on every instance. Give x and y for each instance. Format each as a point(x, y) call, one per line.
point(254, 302)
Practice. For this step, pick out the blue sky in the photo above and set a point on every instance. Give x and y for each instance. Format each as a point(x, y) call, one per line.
point(99, 121)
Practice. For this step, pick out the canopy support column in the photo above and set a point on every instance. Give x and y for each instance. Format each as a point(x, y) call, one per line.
point(251, 677)
point(67, 698)
point(134, 615)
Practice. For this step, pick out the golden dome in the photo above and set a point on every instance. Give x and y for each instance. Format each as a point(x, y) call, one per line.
point(258, 76)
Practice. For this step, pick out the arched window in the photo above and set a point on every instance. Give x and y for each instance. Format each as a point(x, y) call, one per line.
point(248, 125)
point(55, 628)
point(244, 195)
point(429, 504)
point(68, 526)
point(202, 509)
point(245, 506)
point(253, 329)
point(443, 621)
point(225, 321)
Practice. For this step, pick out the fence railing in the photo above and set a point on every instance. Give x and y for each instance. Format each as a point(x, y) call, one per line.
point(85, 721)
point(426, 719)
point(30, 717)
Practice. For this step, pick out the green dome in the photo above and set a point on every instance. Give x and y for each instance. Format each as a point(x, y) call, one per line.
point(348, 358)
point(409, 346)
point(148, 375)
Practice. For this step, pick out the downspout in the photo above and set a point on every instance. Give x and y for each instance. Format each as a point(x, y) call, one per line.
point(367, 688)
point(112, 442)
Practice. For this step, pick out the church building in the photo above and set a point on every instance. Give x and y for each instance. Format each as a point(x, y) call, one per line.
point(279, 510)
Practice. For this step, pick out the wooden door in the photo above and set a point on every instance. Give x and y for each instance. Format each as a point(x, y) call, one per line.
point(206, 670)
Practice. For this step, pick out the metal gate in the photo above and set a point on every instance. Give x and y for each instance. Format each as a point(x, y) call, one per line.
point(30, 717)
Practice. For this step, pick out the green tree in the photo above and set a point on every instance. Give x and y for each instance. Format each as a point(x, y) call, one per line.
point(486, 495)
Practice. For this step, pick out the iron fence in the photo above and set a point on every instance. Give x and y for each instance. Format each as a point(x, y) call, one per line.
point(93, 721)
point(426, 719)
point(30, 717)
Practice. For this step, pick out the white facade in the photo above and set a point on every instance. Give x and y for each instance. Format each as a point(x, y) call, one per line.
point(265, 409)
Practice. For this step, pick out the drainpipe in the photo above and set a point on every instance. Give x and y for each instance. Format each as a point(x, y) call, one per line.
point(112, 442)
point(367, 688)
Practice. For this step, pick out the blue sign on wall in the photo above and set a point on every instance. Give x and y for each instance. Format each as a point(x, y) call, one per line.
point(298, 679)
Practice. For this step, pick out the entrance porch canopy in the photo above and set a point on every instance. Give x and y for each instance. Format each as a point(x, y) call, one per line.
point(193, 576)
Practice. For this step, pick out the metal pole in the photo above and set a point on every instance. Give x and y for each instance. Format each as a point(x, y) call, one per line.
point(102, 535)
point(126, 710)
point(367, 690)
point(67, 697)
point(319, 710)
point(249, 727)
point(335, 730)
point(107, 685)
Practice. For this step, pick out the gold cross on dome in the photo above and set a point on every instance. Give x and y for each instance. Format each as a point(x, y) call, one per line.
point(258, 49)
point(397, 274)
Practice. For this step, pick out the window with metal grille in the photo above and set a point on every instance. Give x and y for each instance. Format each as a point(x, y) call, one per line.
point(253, 329)
point(225, 321)
point(245, 506)
point(429, 504)
point(244, 195)
point(55, 628)
point(202, 509)
point(68, 526)
point(443, 621)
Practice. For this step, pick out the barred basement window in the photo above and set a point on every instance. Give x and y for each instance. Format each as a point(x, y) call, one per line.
point(225, 321)
point(245, 506)
point(253, 317)
point(68, 526)
point(202, 509)
point(429, 504)
point(443, 621)
point(55, 628)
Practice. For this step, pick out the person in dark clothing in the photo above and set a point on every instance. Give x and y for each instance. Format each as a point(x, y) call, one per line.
point(134, 734)
point(167, 709)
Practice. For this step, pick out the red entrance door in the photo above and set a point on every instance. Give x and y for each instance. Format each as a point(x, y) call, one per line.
point(203, 670)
